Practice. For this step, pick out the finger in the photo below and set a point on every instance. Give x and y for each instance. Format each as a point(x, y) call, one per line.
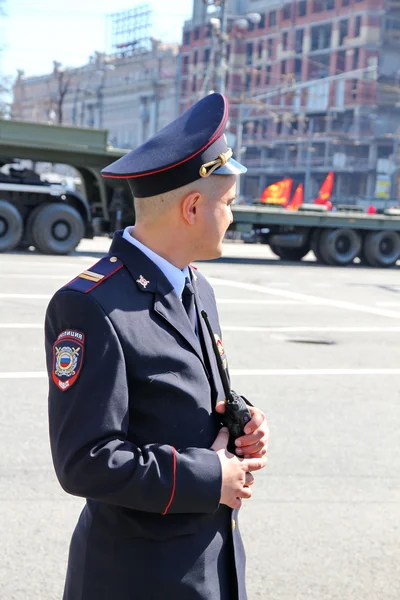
point(220, 407)
point(221, 441)
point(256, 448)
point(255, 464)
point(236, 503)
point(249, 479)
point(257, 418)
point(246, 493)
point(263, 452)
point(252, 438)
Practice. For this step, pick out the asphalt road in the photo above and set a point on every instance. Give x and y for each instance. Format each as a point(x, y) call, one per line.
point(316, 348)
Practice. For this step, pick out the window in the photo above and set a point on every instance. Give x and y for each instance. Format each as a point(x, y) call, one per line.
point(258, 78)
point(195, 57)
point(261, 24)
point(318, 6)
point(268, 75)
point(287, 11)
point(207, 55)
point(357, 29)
point(321, 37)
point(194, 83)
point(343, 31)
point(270, 47)
point(356, 58)
point(196, 33)
point(302, 8)
point(354, 85)
point(285, 41)
point(283, 67)
point(186, 38)
point(330, 4)
point(345, 2)
point(299, 40)
point(249, 53)
point(185, 65)
point(298, 65)
point(183, 87)
point(260, 49)
point(341, 61)
point(248, 82)
point(272, 18)
point(228, 52)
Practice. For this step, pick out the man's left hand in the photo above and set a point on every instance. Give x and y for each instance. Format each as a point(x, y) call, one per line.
point(254, 444)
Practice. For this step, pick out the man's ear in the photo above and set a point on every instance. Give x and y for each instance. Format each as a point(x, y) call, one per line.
point(190, 205)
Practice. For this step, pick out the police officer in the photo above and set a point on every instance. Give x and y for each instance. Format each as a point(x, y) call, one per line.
point(135, 390)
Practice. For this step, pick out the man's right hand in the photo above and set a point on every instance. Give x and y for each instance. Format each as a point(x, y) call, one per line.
point(236, 472)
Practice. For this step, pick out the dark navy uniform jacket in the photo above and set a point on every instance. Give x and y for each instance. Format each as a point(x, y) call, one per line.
point(132, 393)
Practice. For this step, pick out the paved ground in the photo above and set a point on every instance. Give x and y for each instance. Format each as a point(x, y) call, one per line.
point(316, 348)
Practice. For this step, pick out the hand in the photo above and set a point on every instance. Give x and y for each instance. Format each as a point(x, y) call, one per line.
point(236, 472)
point(255, 443)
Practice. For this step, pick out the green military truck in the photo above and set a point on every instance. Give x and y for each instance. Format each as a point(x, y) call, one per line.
point(336, 238)
point(48, 216)
point(54, 219)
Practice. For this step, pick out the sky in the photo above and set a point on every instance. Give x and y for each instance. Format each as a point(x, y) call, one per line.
point(33, 34)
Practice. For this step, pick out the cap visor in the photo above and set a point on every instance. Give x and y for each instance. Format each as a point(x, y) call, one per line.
point(232, 167)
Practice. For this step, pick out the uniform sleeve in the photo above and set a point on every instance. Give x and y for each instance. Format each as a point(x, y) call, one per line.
point(89, 423)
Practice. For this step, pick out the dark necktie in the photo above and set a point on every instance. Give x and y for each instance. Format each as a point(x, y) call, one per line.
point(188, 302)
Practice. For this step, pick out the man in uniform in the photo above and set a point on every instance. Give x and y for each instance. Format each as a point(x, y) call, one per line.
point(135, 390)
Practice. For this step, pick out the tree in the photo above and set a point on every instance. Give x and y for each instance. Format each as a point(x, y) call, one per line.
point(63, 81)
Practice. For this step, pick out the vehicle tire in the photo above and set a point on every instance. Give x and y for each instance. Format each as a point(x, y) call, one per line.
point(315, 236)
point(57, 229)
point(290, 254)
point(339, 246)
point(381, 248)
point(11, 226)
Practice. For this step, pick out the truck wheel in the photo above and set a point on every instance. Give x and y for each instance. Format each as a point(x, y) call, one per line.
point(57, 229)
point(381, 248)
point(339, 246)
point(290, 254)
point(11, 226)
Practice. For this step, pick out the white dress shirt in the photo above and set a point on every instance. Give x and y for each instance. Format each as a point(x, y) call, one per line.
point(175, 276)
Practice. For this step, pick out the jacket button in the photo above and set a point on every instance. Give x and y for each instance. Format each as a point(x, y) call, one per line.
point(113, 259)
point(233, 524)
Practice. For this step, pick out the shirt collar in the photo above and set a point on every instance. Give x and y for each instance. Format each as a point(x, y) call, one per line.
point(175, 276)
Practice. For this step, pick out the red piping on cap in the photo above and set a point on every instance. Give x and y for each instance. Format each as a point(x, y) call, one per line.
point(213, 139)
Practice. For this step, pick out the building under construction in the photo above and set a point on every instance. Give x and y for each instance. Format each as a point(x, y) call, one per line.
point(313, 85)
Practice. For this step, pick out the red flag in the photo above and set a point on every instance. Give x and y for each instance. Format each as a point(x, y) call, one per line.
point(297, 199)
point(325, 192)
point(277, 193)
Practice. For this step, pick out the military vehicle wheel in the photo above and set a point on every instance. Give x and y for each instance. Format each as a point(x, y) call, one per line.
point(11, 226)
point(339, 246)
point(316, 234)
point(381, 248)
point(57, 229)
point(291, 254)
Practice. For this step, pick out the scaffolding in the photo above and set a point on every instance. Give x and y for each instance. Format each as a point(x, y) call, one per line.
point(129, 32)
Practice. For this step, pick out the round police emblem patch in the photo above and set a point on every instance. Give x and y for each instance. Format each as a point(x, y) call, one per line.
point(221, 350)
point(67, 358)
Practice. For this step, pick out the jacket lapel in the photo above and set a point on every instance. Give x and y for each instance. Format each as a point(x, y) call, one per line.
point(206, 338)
point(163, 298)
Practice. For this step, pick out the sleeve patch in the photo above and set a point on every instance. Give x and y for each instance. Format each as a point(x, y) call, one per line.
point(68, 350)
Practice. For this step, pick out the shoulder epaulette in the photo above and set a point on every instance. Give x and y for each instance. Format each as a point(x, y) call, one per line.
point(102, 270)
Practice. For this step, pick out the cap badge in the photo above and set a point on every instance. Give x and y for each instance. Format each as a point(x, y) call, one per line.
point(142, 281)
point(208, 168)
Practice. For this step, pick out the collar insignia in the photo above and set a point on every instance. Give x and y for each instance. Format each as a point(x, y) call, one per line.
point(142, 281)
